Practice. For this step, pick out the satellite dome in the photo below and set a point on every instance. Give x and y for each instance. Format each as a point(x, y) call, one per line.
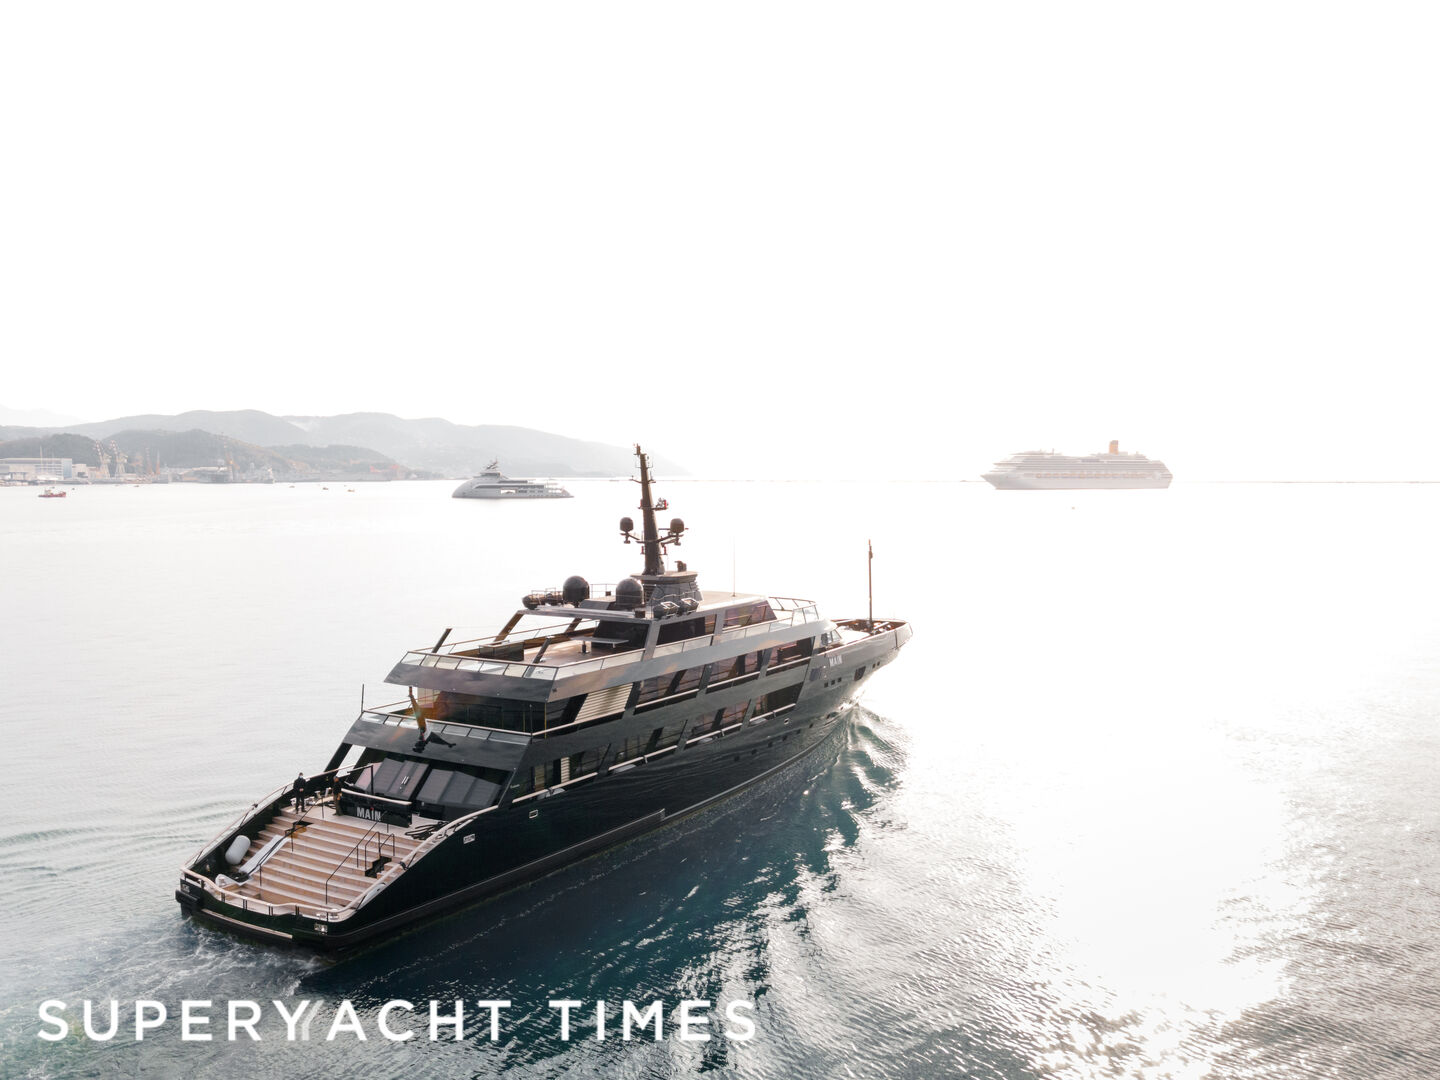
point(627, 524)
point(629, 593)
point(575, 589)
point(677, 526)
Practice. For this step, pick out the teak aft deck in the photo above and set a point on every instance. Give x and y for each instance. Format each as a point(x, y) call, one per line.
point(326, 860)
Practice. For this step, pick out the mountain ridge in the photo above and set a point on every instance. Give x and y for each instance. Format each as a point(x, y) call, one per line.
point(432, 444)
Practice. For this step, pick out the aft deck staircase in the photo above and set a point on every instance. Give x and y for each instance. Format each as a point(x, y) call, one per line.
point(330, 860)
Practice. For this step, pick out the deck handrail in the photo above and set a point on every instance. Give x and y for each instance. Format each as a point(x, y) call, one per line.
point(346, 858)
point(442, 832)
point(379, 849)
point(446, 658)
point(377, 798)
point(551, 789)
point(264, 802)
point(244, 903)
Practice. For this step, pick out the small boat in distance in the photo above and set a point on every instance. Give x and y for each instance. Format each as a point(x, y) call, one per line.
point(493, 484)
point(51, 493)
point(1045, 470)
point(597, 714)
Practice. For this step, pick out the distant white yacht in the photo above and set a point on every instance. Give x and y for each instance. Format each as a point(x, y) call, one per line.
point(493, 484)
point(1045, 469)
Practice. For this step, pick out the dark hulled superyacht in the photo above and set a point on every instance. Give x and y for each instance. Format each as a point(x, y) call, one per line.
point(597, 713)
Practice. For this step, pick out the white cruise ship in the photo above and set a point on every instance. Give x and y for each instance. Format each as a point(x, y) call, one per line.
point(1046, 470)
point(493, 484)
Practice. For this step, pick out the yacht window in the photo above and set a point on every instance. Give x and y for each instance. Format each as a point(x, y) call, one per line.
point(663, 737)
point(505, 714)
point(397, 778)
point(631, 748)
point(653, 688)
point(794, 650)
point(778, 699)
point(681, 629)
point(746, 664)
point(460, 789)
point(685, 680)
point(721, 718)
point(665, 685)
point(586, 763)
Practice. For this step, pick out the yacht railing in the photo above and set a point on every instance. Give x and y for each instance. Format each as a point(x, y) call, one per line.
point(358, 852)
point(788, 612)
point(598, 591)
point(239, 900)
point(434, 838)
point(790, 603)
point(688, 645)
point(541, 793)
point(514, 636)
point(401, 714)
point(332, 914)
point(314, 785)
point(238, 822)
point(781, 711)
point(369, 796)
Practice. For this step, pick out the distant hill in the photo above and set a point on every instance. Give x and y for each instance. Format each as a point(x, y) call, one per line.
point(22, 442)
point(195, 448)
point(246, 425)
point(458, 449)
point(432, 444)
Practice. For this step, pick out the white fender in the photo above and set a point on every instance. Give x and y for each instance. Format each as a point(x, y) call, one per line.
point(237, 849)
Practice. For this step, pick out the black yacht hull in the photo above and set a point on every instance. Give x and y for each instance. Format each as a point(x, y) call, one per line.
point(526, 840)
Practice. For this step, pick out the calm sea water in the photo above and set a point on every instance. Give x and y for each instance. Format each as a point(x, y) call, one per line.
point(1150, 794)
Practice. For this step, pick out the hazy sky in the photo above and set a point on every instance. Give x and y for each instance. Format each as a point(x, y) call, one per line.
point(907, 238)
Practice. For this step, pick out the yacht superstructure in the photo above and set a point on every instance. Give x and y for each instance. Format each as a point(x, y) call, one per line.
point(596, 714)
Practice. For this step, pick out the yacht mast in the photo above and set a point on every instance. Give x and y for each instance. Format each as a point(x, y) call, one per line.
point(653, 542)
point(870, 583)
point(650, 530)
